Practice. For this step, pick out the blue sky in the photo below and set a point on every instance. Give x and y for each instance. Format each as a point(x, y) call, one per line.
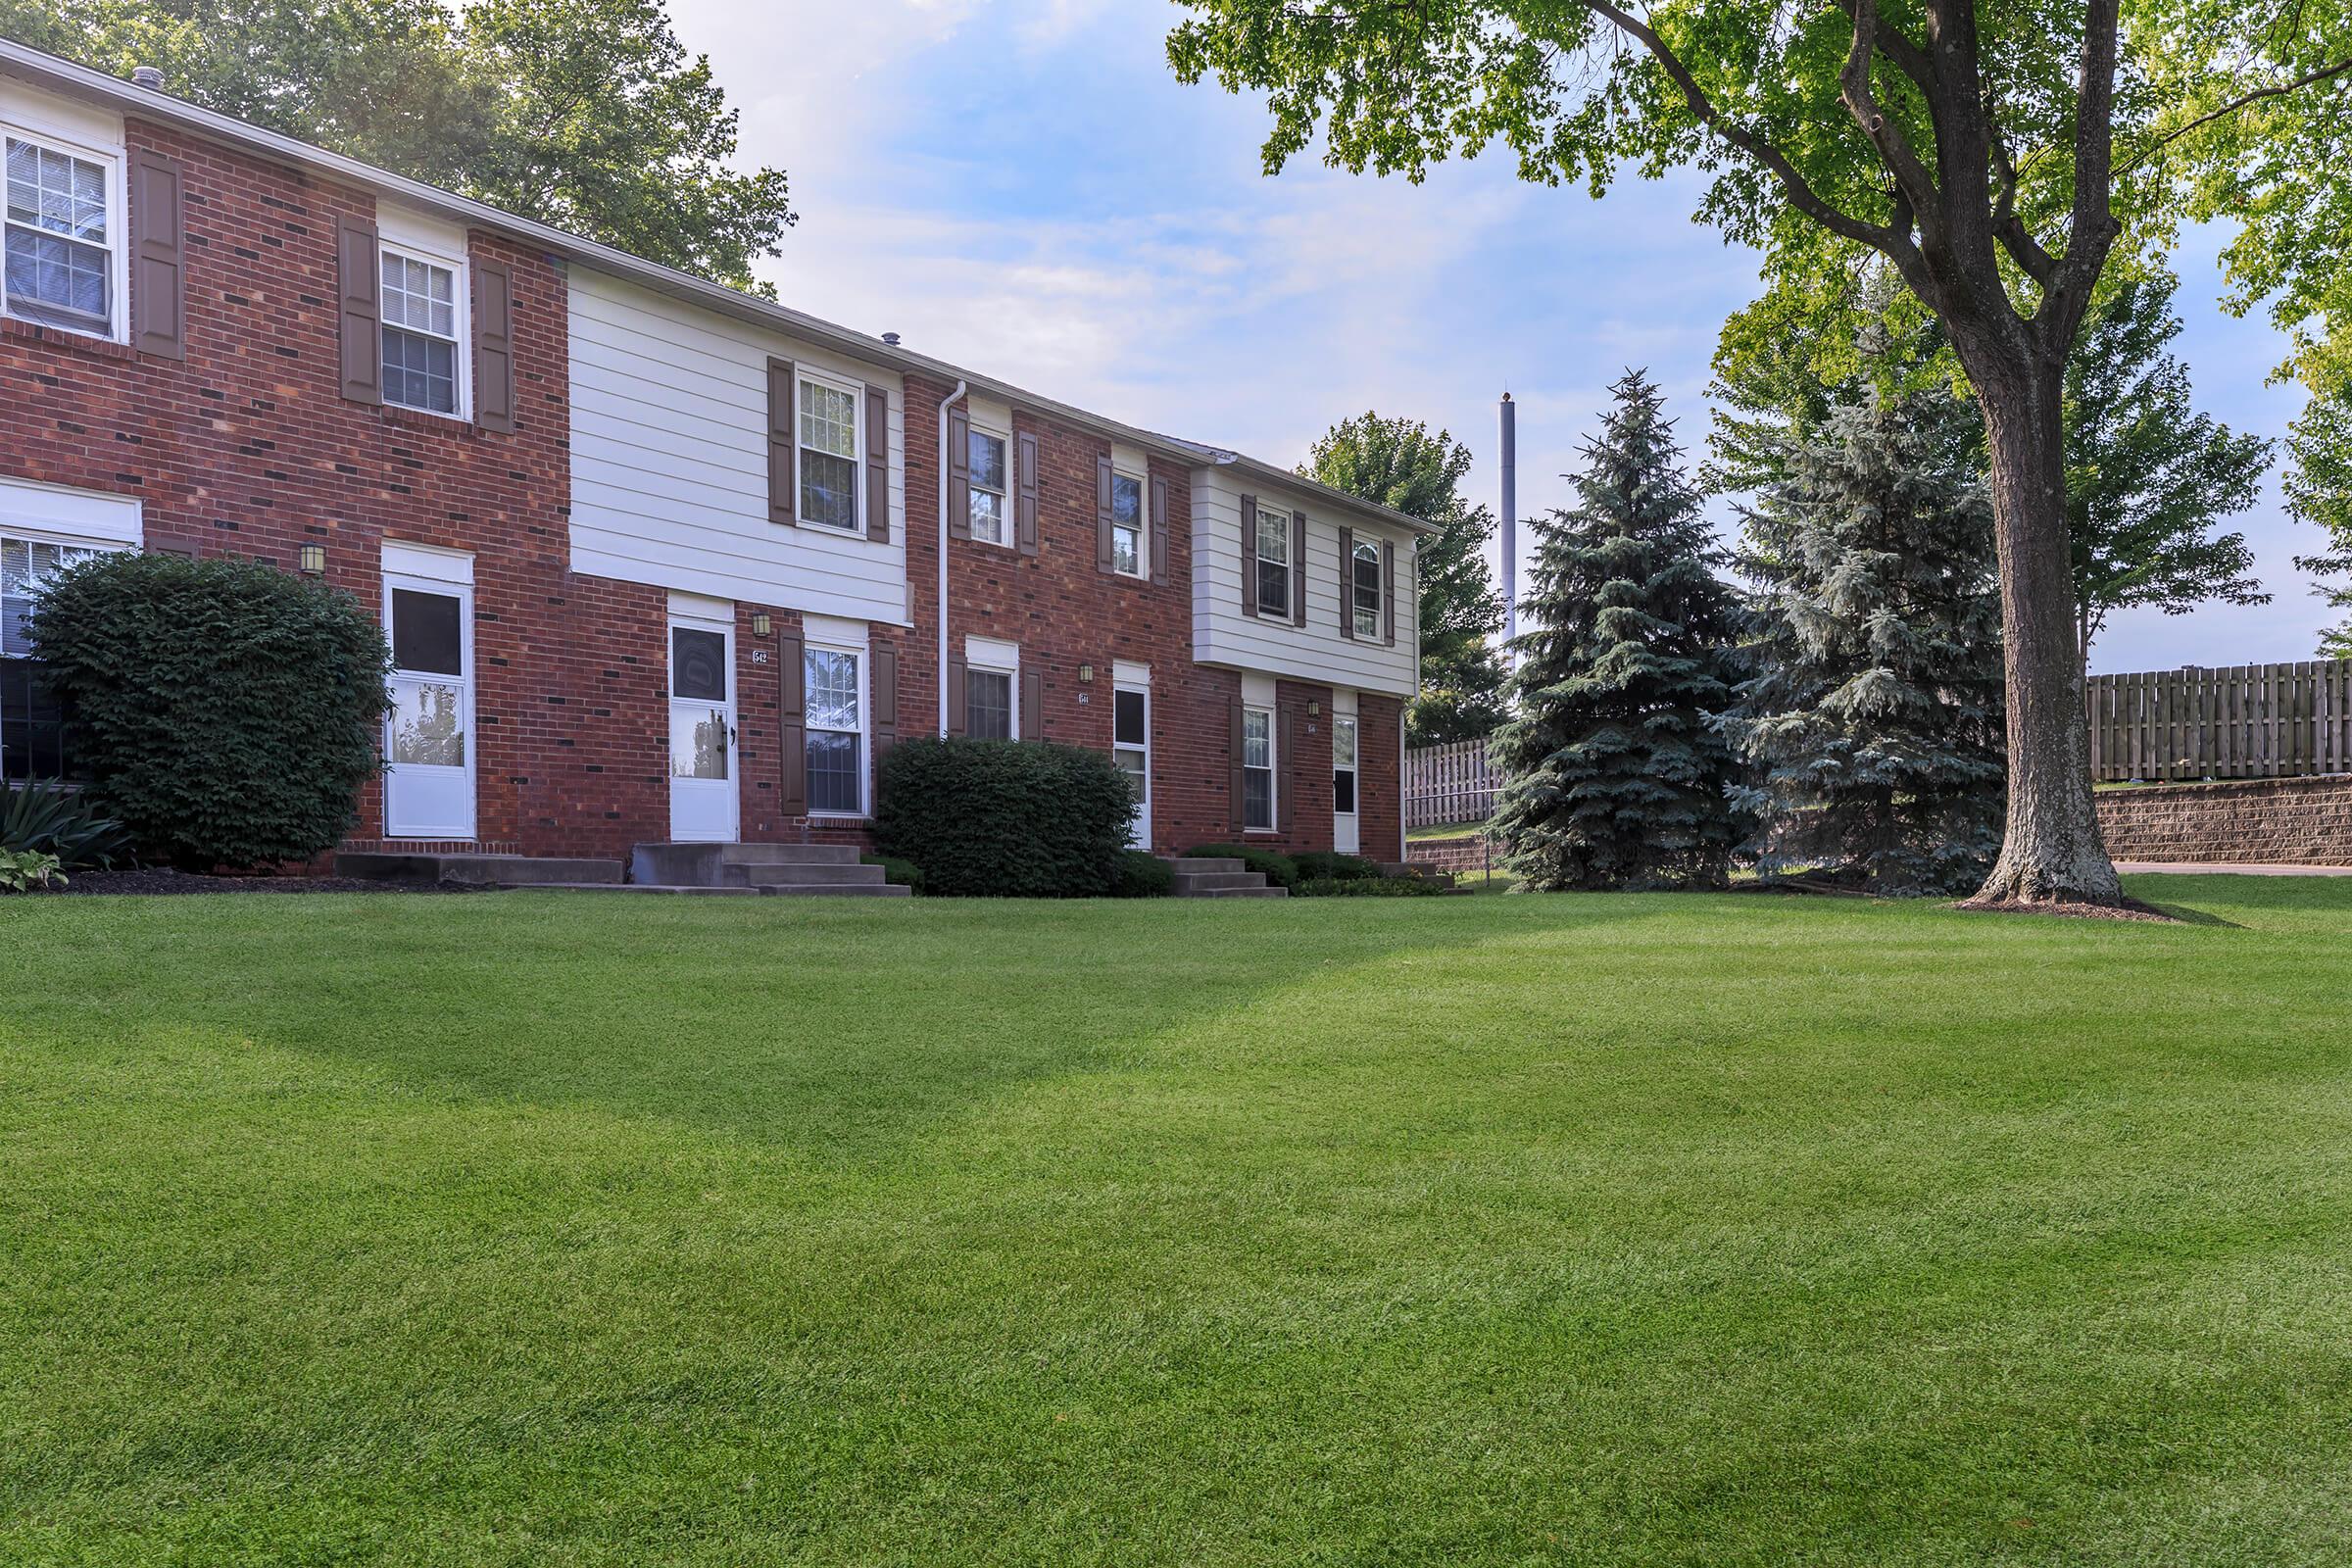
point(1021, 185)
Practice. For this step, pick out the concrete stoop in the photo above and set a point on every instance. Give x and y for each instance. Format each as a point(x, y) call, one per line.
point(478, 870)
point(1221, 878)
point(778, 870)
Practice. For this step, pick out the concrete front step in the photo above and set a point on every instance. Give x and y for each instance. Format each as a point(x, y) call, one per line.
point(484, 870)
point(1217, 882)
point(1203, 862)
point(814, 873)
point(686, 865)
point(835, 889)
point(1261, 891)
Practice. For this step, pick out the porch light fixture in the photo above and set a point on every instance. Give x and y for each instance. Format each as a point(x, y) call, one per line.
point(761, 625)
point(1086, 672)
point(313, 560)
point(1314, 709)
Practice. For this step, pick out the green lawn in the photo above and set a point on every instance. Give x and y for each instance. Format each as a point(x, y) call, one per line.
point(1579, 1230)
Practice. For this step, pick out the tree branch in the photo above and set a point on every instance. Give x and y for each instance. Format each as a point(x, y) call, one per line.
point(2279, 89)
point(1896, 244)
point(2009, 228)
point(2092, 231)
point(1893, 147)
point(1909, 58)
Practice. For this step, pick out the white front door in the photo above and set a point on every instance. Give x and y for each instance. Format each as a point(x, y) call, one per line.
point(1131, 749)
point(429, 743)
point(702, 730)
point(1343, 835)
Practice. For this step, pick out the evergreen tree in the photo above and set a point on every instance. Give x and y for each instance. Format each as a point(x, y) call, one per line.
point(1872, 714)
point(1617, 769)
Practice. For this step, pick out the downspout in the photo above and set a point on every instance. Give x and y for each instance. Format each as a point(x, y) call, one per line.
point(946, 403)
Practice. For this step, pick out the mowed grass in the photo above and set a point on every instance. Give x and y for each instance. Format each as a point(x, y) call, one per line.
point(1577, 1230)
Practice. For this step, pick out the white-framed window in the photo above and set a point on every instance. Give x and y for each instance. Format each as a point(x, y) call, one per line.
point(1273, 565)
point(990, 456)
point(1258, 769)
point(424, 327)
point(63, 233)
point(833, 691)
point(1364, 588)
point(1128, 522)
point(989, 704)
point(32, 725)
point(830, 451)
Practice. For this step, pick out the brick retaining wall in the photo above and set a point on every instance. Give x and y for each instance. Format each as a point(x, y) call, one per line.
point(2271, 822)
point(1466, 854)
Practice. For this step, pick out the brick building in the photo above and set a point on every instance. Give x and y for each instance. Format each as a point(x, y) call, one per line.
point(657, 561)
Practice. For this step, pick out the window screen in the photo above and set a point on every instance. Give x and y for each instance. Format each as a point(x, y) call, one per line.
point(426, 636)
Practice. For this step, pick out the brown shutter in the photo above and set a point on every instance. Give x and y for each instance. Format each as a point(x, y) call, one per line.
point(1102, 487)
point(1159, 532)
point(1298, 569)
point(1027, 484)
point(158, 258)
point(877, 465)
point(958, 696)
point(1240, 811)
point(493, 346)
point(1249, 570)
point(1387, 589)
point(1287, 772)
point(362, 350)
point(1033, 703)
point(792, 722)
point(959, 479)
point(1348, 583)
point(783, 496)
point(886, 708)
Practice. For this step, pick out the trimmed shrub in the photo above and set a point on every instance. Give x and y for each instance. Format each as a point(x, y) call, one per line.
point(1280, 869)
point(48, 818)
point(1375, 887)
point(1324, 865)
point(1004, 818)
point(1143, 875)
point(227, 711)
point(906, 874)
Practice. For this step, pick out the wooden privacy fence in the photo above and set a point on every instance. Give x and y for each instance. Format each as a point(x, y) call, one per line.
point(1448, 783)
point(2248, 722)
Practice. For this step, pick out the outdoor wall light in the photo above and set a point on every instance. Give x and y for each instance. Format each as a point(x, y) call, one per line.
point(313, 560)
point(1086, 674)
point(761, 625)
point(1314, 709)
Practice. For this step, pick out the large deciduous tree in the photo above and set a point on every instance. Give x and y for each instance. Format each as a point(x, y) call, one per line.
point(585, 114)
point(1994, 152)
point(1397, 463)
point(1617, 773)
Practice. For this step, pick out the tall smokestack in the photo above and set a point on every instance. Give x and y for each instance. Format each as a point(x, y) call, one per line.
point(1510, 517)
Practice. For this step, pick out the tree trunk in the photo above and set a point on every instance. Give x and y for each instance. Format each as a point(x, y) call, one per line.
point(2053, 852)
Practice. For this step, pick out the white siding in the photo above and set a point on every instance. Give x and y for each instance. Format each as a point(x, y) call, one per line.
point(1315, 651)
point(669, 461)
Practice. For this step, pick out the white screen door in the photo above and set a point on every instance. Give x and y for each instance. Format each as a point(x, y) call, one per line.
point(1343, 835)
point(702, 730)
point(1131, 749)
point(428, 742)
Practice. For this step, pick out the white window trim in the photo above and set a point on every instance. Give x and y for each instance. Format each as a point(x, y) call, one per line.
point(1257, 555)
point(1011, 524)
point(1143, 524)
point(1379, 596)
point(1273, 768)
point(1354, 767)
point(859, 439)
point(60, 138)
point(421, 248)
point(864, 730)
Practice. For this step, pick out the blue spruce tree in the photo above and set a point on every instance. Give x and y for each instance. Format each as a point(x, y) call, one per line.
point(1872, 714)
point(1618, 769)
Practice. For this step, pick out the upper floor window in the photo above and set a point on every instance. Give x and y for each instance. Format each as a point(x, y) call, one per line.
point(1273, 561)
point(990, 518)
point(60, 237)
point(828, 455)
point(421, 326)
point(1365, 589)
point(1127, 524)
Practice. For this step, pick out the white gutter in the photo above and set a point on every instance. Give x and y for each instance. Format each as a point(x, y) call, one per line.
point(946, 403)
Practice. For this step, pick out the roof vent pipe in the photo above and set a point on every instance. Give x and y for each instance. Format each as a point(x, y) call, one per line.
point(891, 338)
point(147, 76)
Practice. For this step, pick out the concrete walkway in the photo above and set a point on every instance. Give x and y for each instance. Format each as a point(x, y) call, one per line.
point(2191, 868)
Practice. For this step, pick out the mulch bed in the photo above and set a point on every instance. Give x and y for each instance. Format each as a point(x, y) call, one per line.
point(179, 882)
point(2128, 910)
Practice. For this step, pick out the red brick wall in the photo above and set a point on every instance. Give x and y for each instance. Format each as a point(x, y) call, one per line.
point(2273, 821)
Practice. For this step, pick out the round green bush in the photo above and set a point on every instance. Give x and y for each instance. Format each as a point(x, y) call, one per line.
point(1004, 818)
point(227, 712)
point(1325, 865)
point(1278, 868)
point(1143, 875)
